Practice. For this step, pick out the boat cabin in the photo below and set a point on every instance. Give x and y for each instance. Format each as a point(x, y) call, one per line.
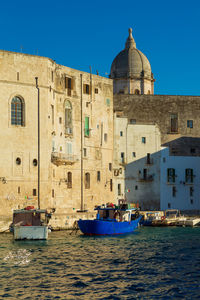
point(111, 214)
point(30, 217)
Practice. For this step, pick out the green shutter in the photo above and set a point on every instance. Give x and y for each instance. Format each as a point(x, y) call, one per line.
point(87, 131)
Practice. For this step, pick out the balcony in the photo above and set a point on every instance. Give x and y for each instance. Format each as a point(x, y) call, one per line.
point(59, 159)
point(148, 178)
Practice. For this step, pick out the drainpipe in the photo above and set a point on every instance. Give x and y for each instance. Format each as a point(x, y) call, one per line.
point(36, 82)
point(82, 204)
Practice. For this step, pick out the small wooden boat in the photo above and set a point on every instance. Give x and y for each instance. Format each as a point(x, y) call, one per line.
point(30, 224)
point(110, 221)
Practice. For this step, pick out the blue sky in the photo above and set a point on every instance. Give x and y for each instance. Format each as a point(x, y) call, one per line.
point(83, 33)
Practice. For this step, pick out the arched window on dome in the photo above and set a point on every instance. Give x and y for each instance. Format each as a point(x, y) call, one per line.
point(137, 92)
point(68, 117)
point(17, 111)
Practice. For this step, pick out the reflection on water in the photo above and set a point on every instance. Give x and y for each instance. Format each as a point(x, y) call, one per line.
point(18, 257)
point(151, 263)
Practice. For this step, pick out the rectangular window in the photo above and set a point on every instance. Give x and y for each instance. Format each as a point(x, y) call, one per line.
point(60, 120)
point(192, 150)
point(122, 157)
point(52, 114)
point(52, 76)
point(121, 133)
point(105, 137)
point(189, 123)
point(17, 76)
point(171, 175)
point(110, 166)
point(144, 140)
point(174, 122)
point(111, 185)
point(34, 192)
point(148, 158)
point(136, 187)
point(191, 201)
point(18, 189)
point(108, 102)
point(189, 175)
point(132, 121)
point(96, 91)
point(98, 176)
point(145, 174)
point(133, 154)
point(169, 205)
point(52, 193)
point(173, 191)
point(69, 148)
point(119, 189)
point(191, 191)
point(86, 89)
point(87, 130)
point(84, 152)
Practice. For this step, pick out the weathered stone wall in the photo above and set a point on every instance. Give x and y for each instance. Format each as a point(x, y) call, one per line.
point(156, 109)
point(17, 78)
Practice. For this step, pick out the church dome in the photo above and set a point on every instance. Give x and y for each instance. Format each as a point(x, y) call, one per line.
point(130, 62)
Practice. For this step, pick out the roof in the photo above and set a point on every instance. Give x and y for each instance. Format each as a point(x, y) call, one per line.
point(130, 62)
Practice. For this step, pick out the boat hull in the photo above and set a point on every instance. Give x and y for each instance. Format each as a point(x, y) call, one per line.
point(107, 227)
point(30, 232)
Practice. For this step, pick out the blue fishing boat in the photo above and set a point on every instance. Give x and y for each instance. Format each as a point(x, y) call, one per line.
point(111, 221)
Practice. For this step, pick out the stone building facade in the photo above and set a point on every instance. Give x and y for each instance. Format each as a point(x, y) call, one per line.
point(177, 119)
point(76, 135)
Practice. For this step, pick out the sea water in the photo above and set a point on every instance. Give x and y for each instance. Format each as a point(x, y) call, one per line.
point(151, 263)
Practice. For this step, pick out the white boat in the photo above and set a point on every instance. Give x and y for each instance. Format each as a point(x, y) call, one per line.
point(192, 222)
point(171, 217)
point(30, 224)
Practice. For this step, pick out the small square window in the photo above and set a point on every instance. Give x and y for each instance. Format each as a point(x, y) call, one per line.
point(144, 140)
point(132, 121)
point(121, 133)
point(189, 123)
point(192, 150)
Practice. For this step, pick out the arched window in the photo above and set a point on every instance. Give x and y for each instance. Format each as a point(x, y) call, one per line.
point(87, 180)
point(68, 117)
point(69, 180)
point(17, 111)
point(137, 92)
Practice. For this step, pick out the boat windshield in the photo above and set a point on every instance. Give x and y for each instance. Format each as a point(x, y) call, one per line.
point(28, 218)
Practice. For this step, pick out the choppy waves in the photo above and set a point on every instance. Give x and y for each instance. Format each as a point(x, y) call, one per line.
point(152, 263)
